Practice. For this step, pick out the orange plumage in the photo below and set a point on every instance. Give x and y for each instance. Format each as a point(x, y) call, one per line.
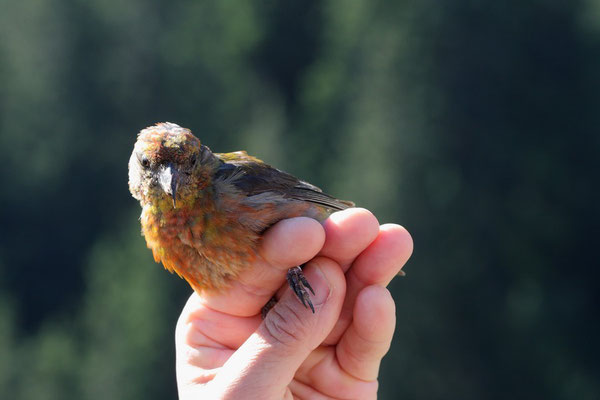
point(203, 213)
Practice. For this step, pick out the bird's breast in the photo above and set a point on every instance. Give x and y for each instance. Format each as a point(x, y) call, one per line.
point(203, 245)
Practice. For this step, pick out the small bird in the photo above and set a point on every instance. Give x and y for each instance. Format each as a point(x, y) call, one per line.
point(204, 213)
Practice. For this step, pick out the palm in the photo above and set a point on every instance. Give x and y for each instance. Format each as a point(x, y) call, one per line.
point(218, 334)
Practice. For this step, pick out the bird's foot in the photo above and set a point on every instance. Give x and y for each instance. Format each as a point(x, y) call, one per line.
point(299, 284)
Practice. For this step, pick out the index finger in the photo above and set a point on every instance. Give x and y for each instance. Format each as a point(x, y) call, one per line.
point(286, 244)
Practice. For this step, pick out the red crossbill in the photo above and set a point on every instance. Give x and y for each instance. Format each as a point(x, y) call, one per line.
point(204, 213)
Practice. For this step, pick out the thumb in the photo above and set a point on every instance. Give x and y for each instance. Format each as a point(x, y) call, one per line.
point(265, 364)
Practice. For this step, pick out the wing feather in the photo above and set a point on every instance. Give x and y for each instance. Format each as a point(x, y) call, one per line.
point(252, 176)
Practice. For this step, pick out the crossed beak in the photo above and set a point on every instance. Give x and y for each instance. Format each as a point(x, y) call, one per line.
point(168, 178)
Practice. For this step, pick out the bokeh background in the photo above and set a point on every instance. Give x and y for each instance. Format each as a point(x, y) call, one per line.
point(474, 124)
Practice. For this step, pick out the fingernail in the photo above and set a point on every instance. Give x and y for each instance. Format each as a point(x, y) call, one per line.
point(319, 284)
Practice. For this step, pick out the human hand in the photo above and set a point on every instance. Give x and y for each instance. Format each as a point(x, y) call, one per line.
point(226, 351)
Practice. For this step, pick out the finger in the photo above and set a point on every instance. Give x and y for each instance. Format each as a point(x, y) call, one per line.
point(376, 265)
point(288, 243)
point(204, 330)
point(347, 234)
point(368, 338)
point(322, 372)
point(384, 258)
point(269, 359)
point(352, 370)
point(302, 390)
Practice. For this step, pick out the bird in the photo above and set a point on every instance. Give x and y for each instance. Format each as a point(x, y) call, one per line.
point(204, 213)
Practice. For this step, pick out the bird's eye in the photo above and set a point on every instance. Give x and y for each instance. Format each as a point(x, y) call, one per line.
point(193, 160)
point(145, 162)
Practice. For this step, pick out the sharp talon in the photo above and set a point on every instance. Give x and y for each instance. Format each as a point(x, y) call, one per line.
point(401, 273)
point(303, 301)
point(306, 284)
point(310, 304)
point(298, 283)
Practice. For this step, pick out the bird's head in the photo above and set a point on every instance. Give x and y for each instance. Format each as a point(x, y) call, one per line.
point(169, 165)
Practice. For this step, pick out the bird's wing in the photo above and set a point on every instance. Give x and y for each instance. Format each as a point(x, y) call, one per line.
point(252, 176)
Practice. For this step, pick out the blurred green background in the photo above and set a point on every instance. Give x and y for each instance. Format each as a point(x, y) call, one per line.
point(474, 124)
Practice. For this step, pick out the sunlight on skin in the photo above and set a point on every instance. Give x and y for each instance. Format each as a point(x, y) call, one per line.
point(225, 350)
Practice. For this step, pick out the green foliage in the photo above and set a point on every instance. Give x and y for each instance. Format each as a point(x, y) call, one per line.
point(472, 124)
point(128, 321)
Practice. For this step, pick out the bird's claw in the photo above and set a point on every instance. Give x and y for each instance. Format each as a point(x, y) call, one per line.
point(299, 284)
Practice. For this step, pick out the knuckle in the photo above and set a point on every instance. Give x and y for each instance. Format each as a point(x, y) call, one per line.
point(285, 326)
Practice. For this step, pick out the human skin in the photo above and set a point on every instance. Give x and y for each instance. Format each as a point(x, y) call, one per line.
point(226, 351)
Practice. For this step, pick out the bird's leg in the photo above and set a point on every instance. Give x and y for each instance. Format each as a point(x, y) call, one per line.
point(299, 284)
